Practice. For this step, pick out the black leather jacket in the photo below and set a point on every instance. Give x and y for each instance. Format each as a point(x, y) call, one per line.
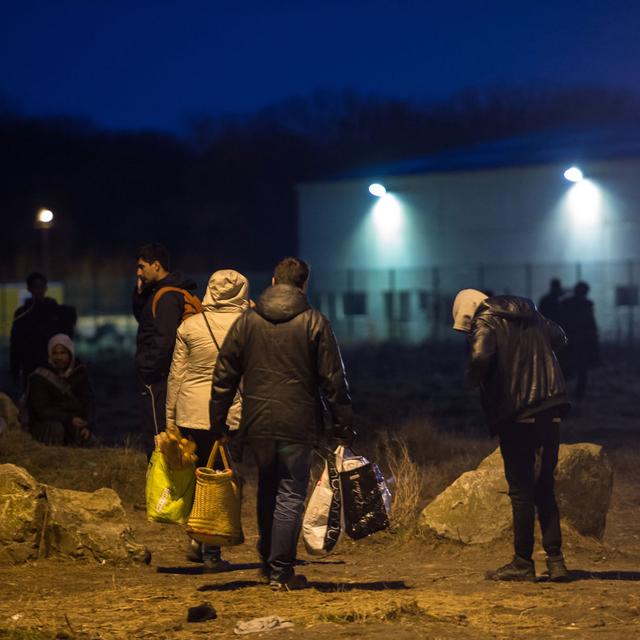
point(513, 362)
point(289, 361)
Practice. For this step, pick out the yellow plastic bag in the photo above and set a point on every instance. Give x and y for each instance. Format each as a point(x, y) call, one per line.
point(169, 491)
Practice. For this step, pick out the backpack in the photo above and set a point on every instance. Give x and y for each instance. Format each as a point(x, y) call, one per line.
point(192, 304)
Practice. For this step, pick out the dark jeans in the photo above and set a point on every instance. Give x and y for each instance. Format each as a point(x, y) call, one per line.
point(154, 420)
point(283, 478)
point(530, 453)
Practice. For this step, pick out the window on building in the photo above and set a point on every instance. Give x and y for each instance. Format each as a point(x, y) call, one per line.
point(397, 305)
point(627, 295)
point(354, 303)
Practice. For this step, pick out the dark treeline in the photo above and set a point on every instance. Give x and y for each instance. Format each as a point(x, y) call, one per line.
point(224, 194)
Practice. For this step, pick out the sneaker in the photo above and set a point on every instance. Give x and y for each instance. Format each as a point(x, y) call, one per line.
point(215, 566)
point(518, 569)
point(294, 583)
point(194, 551)
point(557, 569)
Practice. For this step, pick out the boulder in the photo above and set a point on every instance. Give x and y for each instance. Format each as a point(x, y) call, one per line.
point(22, 509)
point(476, 508)
point(93, 525)
point(37, 521)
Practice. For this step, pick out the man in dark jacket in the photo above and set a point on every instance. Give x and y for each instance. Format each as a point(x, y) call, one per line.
point(289, 362)
point(33, 324)
point(59, 400)
point(524, 398)
point(159, 313)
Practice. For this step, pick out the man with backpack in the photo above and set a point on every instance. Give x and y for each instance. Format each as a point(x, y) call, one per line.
point(161, 300)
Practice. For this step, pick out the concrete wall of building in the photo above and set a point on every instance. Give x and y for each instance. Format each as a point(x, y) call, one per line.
point(503, 216)
point(508, 230)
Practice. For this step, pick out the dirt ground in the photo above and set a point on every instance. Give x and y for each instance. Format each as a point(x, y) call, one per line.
point(401, 584)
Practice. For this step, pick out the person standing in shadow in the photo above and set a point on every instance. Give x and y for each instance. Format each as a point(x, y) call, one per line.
point(579, 323)
point(550, 303)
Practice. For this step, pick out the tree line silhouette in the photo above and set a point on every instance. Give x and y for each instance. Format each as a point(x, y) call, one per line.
point(224, 192)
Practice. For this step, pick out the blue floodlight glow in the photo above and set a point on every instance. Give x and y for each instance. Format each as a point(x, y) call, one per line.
point(573, 174)
point(377, 190)
point(388, 218)
point(585, 203)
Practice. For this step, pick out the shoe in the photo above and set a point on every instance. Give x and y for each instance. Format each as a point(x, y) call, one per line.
point(294, 583)
point(557, 569)
point(194, 551)
point(215, 566)
point(518, 569)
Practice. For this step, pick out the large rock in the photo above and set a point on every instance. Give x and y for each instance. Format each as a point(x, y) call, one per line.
point(476, 508)
point(94, 525)
point(37, 521)
point(22, 509)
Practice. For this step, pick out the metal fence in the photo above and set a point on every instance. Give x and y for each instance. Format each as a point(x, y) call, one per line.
point(407, 305)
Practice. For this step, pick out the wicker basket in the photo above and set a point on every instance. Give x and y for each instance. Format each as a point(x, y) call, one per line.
point(215, 516)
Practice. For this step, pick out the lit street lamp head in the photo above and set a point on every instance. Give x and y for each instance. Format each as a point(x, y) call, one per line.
point(45, 216)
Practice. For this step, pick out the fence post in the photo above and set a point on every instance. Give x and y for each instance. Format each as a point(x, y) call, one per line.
point(350, 315)
point(435, 284)
point(528, 280)
point(630, 336)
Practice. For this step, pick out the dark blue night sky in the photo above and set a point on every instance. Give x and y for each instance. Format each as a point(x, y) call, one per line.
point(141, 64)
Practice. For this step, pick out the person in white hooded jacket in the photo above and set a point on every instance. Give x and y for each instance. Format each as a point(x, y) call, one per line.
point(198, 340)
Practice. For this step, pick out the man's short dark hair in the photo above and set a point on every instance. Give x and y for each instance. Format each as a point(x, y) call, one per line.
point(292, 271)
point(35, 276)
point(154, 251)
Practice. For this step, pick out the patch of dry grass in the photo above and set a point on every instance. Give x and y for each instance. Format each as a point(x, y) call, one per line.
point(121, 469)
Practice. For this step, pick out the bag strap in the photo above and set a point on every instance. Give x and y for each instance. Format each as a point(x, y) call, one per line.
point(204, 315)
point(219, 447)
point(160, 292)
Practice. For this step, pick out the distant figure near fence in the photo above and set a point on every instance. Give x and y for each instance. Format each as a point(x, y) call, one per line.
point(34, 323)
point(582, 351)
point(549, 305)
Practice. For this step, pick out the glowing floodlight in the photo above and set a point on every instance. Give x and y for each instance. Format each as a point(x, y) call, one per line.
point(573, 174)
point(585, 203)
point(377, 190)
point(388, 217)
point(45, 216)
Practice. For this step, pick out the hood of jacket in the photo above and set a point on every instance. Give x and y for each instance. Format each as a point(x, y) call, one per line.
point(281, 303)
point(227, 290)
point(511, 307)
point(464, 308)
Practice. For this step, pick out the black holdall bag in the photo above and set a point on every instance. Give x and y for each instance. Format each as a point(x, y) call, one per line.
point(362, 503)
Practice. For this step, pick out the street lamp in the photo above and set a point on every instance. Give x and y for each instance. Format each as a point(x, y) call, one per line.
point(44, 221)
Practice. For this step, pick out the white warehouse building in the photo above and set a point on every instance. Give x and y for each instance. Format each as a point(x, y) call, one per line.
point(501, 217)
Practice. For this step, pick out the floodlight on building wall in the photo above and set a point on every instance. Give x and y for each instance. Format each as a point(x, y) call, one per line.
point(585, 203)
point(573, 174)
point(388, 218)
point(377, 190)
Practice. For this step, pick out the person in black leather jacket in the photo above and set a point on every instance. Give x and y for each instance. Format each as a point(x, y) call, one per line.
point(524, 398)
point(289, 362)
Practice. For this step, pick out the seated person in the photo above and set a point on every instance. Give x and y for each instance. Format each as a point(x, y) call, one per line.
point(59, 398)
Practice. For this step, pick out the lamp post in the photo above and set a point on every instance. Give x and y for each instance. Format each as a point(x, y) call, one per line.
point(44, 221)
